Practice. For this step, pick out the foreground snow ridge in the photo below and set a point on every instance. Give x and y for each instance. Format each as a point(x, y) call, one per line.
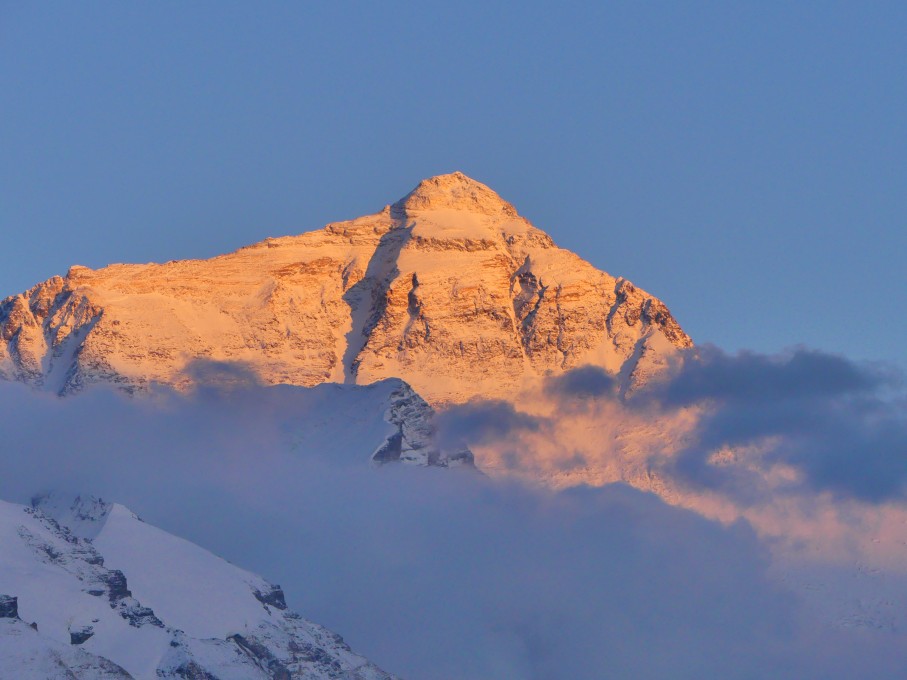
point(449, 289)
point(90, 591)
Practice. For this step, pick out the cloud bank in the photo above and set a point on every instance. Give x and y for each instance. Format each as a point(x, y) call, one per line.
point(841, 424)
point(444, 574)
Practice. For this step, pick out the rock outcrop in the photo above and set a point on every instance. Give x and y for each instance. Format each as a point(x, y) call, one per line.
point(9, 607)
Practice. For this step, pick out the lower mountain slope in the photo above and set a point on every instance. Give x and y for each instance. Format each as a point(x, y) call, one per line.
point(113, 597)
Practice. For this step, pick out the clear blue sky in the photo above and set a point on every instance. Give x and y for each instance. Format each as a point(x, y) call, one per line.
point(744, 161)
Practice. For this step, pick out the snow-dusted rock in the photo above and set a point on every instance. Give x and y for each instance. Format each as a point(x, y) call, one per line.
point(137, 602)
point(414, 441)
point(448, 288)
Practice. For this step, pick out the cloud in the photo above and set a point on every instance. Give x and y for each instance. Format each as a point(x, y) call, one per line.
point(219, 376)
point(479, 421)
point(841, 424)
point(432, 573)
point(752, 378)
point(583, 382)
point(836, 421)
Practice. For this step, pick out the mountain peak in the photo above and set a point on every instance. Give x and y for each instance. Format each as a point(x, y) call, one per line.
point(453, 191)
point(449, 290)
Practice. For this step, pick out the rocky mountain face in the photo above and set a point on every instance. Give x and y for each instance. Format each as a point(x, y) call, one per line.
point(448, 288)
point(77, 578)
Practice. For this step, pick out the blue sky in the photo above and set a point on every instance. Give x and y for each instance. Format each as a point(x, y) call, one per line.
point(742, 161)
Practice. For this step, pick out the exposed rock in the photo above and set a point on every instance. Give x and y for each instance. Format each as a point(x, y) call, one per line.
point(79, 635)
point(415, 441)
point(9, 607)
point(272, 596)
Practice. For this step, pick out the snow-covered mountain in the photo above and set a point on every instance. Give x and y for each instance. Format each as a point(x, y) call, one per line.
point(449, 289)
point(88, 591)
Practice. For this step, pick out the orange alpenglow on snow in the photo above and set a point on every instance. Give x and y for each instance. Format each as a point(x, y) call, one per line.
point(449, 289)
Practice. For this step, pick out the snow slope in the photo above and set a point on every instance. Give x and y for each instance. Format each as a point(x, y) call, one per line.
point(89, 598)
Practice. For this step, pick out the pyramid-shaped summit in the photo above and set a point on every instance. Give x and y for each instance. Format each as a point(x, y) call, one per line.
point(449, 290)
point(454, 191)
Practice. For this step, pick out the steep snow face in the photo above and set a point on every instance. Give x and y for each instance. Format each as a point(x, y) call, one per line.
point(449, 289)
point(88, 600)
